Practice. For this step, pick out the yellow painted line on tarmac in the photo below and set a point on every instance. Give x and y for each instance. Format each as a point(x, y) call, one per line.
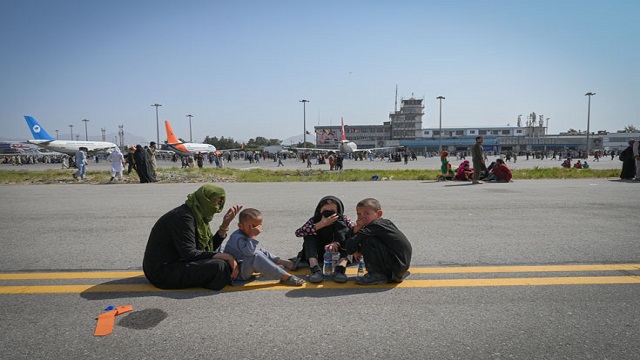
point(72, 275)
point(521, 269)
point(350, 271)
point(272, 285)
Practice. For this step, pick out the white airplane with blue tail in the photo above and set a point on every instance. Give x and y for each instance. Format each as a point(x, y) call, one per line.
point(46, 141)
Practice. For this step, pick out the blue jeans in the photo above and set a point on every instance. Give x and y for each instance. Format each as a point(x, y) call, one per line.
point(82, 169)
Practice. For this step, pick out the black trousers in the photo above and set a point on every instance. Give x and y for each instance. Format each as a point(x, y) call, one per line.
point(211, 274)
point(379, 260)
point(313, 247)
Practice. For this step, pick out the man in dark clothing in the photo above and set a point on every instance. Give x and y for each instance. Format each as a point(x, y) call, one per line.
point(181, 252)
point(477, 156)
point(130, 161)
point(386, 250)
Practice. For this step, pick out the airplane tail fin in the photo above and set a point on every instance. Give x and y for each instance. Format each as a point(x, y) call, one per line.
point(36, 130)
point(171, 136)
point(344, 137)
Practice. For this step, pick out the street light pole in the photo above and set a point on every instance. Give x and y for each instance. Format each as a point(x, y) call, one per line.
point(190, 134)
point(157, 124)
point(589, 94)
point(440, 129)
point(71, 127)
point(304, 121)
point(86, 134)
point(57, 138)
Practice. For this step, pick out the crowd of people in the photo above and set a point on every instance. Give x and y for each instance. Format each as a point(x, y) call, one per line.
point(182, 251)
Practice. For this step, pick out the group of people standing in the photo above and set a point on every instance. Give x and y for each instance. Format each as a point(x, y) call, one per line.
point(182, 251)
point(140, 159)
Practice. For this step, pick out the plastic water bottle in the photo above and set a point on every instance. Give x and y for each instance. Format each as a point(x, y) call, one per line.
point(328, 261)
point(335, 258)
point(360, 268)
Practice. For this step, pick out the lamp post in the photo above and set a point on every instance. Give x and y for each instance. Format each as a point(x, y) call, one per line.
point(589, 94)
point(190, 135)
point(440, 128)
point(157, 125)
point(57, 138)
point(71, 127)
point(86, 134)
point(304, 121)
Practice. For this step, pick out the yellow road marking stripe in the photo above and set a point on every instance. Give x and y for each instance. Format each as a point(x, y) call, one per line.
point(272, 285)
point(519, 269)
point(350, 271)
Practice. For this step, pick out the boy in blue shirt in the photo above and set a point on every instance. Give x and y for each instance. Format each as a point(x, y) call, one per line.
point(243, 246)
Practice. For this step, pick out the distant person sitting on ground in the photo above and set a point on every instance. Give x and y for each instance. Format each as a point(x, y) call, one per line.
point(329, 226)
point(500, 172)
point(566, 164)
point(464, 172)
point(386, 250)
point(243, 246)
point(577, 165)
point(585, 165)
point(446, 173)
point(181, 251)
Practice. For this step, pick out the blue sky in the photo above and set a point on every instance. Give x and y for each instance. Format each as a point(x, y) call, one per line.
point(241, 67)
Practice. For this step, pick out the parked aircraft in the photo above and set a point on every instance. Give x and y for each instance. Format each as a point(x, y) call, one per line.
point(70, 147)
point(185, 148)
point(347, 146)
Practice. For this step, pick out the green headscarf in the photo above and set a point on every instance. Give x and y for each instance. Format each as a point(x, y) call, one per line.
point(201, 203)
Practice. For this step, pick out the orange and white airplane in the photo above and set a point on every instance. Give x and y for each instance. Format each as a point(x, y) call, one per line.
point(185, 148)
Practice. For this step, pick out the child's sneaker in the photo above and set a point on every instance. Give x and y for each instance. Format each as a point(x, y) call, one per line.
point(339, 275)
point(316, 275)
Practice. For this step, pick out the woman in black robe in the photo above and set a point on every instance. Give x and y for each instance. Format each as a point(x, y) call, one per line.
point(628, 163)
point(182, 252)
point(142, 165)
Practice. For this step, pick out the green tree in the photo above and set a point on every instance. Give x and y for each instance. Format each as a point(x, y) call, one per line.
point(222, 143)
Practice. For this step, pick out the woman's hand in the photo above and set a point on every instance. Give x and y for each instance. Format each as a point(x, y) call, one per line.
point(229, 216)
point(232, 262)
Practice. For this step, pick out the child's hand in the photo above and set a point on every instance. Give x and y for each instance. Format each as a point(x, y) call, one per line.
point(334, 247)
point(255, 231)
point(326, 221)
point(356, 256)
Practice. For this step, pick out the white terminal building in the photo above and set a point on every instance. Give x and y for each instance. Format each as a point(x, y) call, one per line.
point(404, 128)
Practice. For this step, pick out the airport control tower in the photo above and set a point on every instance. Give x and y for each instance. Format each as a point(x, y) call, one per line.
point(406, 123)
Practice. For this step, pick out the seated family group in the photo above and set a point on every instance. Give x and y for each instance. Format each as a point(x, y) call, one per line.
point(498, 171)
point(182, 252)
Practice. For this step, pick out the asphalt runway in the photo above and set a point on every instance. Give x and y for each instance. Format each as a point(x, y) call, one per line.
point(530, 269)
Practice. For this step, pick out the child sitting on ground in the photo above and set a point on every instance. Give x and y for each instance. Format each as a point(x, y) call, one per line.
point(329, 226)
point(243, 246)
point(386, 251)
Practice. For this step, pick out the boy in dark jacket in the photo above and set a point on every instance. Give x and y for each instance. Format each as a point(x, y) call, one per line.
point(386, 251)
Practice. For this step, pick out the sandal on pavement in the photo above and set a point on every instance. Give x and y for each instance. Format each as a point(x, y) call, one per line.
point(293, 280)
